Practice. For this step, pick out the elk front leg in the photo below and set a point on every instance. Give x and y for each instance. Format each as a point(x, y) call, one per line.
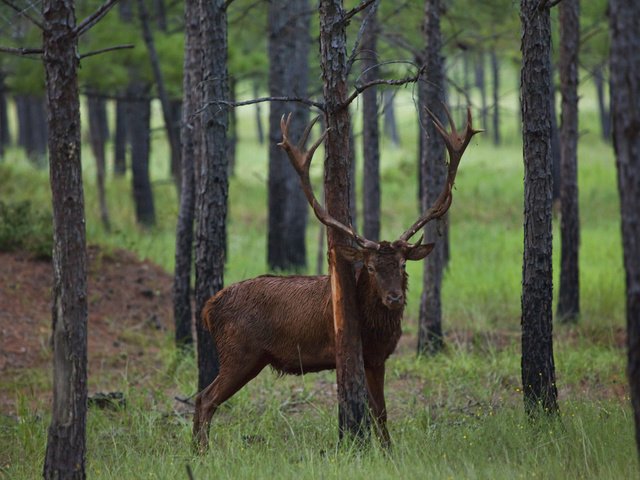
point(375, 386)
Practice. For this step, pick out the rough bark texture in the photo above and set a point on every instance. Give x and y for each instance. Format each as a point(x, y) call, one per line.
point(211, 178)
point(625, 105)
point(370, 131)
point(352, 400)
point(495, 76)
point(139, 123)
point(288, 76)
point(97, 120)
point(191, 141)
point(538, 371)
point(66, 444)
point(569, 293)
point(120, 139)
point(432, 176)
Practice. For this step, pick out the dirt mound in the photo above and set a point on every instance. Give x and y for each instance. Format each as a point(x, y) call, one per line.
point(129, 311)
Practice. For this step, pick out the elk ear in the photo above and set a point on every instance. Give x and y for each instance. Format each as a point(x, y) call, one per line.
point(350, 254)
point(419, 252)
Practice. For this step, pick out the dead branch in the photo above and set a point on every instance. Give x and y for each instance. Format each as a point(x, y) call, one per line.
point(94, 18)
point(23, 12)
point(22, 51)
point(104, 50)
point(354, 11)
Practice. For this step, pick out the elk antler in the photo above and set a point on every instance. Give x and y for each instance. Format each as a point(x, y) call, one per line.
point(301, 161)
point(456, 144)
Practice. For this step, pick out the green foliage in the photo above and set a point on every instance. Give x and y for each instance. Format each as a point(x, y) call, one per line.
point(22, 227)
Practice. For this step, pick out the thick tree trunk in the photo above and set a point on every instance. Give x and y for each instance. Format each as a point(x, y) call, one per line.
point(97, 116)
point(120, 139)
point(288, 76)
point(433, 175)
point(139, 121)
point(352, 396)
point(569, 293)
point(390, 125)
point(66, 440)
point(191, 150)
point(605, 113)
point(211, 179)
point(538, 370)
point(370, 131)
point(495, 77)
point(625, 104)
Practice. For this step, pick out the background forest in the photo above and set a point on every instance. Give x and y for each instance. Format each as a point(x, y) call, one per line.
point(453, 413)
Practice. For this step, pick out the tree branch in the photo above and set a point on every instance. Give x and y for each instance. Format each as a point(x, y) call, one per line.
point(305, 101)
point(104, 50)
point(23, 12)
point(94, 18)
point(356, 44)
point(361, 88)
point(547, 4)
point(22, 51)
point(354, 11)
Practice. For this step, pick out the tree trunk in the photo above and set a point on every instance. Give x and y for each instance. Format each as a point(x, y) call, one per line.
point(433, 176)
point(120, 140)
point(173, 133)
point(66, 439)
point(390, 125)
point(481, 84)
point(569, 293)
point(555, 141)
point(625, 104)
point(97, 116)
point(605, 113)
point(495, 76)
point(288, 76)
point(191, 150)
point(211, 179)
point(138, 121)
point(5, 136)
point(258, 111)
point(32, 128)
point(370, 131)
point(232, 136)
point(352, 396)
point(538, 370)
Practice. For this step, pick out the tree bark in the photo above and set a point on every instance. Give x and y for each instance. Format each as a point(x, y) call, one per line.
point(555, 141)
point(258, 110)
point(569, 293)
point(120, 140)
point(433, 176)
point(390, 125)
point(352, 397)
point(605, 113)
point(232, 135)
point(66, 439)
point(624, 18)
point(288, 76)
point(538, 370)
point(370, 130)
point(211, 178)
point(481, 84)
point(495, 76)
point(97, 116)
point(191, 147)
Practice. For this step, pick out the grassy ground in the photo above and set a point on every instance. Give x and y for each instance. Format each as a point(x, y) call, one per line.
point(455, 416)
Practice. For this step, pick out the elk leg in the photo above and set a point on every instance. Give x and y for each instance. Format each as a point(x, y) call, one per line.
point(225, 385)
point(375, 387)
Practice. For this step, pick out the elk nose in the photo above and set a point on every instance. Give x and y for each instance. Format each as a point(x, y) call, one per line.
point(394, 298)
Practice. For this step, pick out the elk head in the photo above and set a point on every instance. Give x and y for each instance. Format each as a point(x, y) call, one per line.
point(383, 262)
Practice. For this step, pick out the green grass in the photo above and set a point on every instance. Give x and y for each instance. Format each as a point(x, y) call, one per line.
point(458, 415)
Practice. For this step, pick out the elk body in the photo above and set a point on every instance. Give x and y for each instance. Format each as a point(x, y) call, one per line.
point(287, 321)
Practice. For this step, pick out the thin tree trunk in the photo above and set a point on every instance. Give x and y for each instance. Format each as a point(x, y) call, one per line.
point(97, 112)
point(370, 131)
point(5, 136)
point(390, 125)
point(481, 84)
point(66, 439)
point(191, 150)
point(495, 76)
point(624, 18)
point(538, 370)
point(555, 141)
point(352, 396)
point(120, 140)
point(431, 95)
point(605, 114)
point(232, 137)
point(258, 111)
point(173, 134)
point(211, 179)
point(569, 293)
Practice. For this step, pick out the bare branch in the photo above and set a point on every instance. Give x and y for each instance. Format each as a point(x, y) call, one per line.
point(226, 4)
point(547, 4)
point(361, 88)
point(23, 12)
point(108, 49)
point(94, 18)
point(356, 44)
point(22, 51)
point(354, 11)
point(305, 101)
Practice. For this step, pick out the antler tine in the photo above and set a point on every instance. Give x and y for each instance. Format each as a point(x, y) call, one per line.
point(456, 145)
point(301, 161)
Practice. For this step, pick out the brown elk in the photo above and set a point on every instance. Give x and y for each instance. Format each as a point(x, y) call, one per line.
point(287, 321)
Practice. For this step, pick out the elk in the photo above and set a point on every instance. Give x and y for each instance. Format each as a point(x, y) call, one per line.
point(287, 321)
